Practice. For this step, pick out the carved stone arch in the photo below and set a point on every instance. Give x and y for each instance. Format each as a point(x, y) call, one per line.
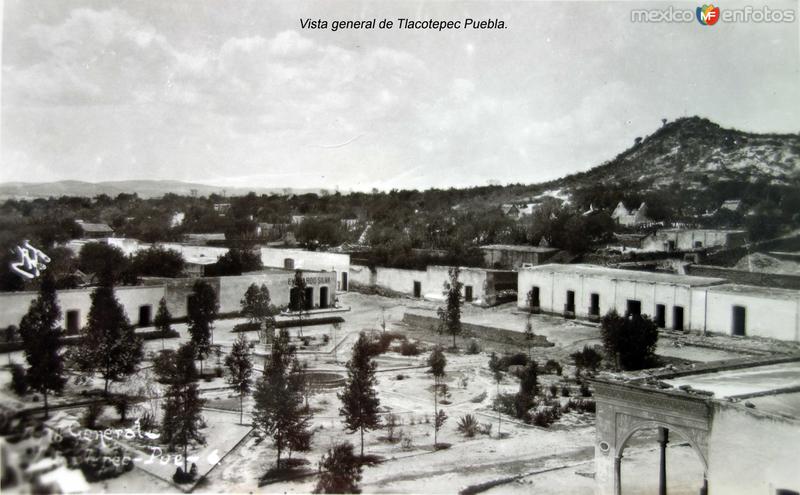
point(697, 439)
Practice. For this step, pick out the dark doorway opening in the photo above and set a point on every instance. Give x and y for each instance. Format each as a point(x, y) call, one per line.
point(677, 317)
point(634, 308)
point(309, 298)
point(594, 304)
point(661, 316)
point(417, 289)
point(294, 299)
point(739, 316)
point(323, 297)
point(468, 293)
point(344, 281)
point(73, 321)
point(569, 308)
point(534, 302)
point(145, 315)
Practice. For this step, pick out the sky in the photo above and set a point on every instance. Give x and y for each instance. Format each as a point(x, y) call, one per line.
point(238, 94)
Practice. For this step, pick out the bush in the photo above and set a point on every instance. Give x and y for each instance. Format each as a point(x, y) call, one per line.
point(147, 421)
point(580, 405)
point(585, 392)
point(326, 338)
point(122, 404)
point(552, 367)
point(630, 339)
point(588, 359)
point(505, 403)
point(19, 380)
point(553, 390)
point(340, 471)
point(546, 416)
point(565, 391)
point(468, 425)
point(473, 347)
point(181, 476)
point(400, 376)
point(92, 414)
point(518, 359)
point(408, 348)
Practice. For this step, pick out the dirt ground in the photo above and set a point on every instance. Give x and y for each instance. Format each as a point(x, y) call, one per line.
point(528, 458)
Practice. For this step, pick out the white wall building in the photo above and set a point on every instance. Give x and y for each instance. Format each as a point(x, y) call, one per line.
point(680, 302)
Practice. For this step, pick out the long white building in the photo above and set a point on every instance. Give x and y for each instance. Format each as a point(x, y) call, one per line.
point(680, 302)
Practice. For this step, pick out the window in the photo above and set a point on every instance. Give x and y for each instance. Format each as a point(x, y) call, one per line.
point(698, 244)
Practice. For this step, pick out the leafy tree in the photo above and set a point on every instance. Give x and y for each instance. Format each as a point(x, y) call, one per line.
point(162, 320)
point(437, 362)
point(451, 315)
point(587, 358)
point(340, 471)
point(235, 262)
point(528, 387)
point(109, 345)
point(278, 397)
point(529, 335)
point(183, 405)
point(241, 368)
point(101, 260)
point(360, 398)
point(157, 261)
point(257, 307)
point(41, 342)
point(630, 340)
point(300, 302)
point(202, 311)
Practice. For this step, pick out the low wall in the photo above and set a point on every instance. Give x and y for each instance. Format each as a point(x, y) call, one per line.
point(472, 330)
point(746, 278)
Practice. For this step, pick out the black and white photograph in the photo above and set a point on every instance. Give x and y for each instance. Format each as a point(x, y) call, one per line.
point(496, 247)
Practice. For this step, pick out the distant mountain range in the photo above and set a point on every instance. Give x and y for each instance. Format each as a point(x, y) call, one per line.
point(691, 151)
point(144, 188)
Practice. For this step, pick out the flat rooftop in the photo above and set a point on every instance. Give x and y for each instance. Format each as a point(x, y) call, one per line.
point(757, 291)
point(630, 275)
point(520, 248)
point(711, 231)
point(743, 381)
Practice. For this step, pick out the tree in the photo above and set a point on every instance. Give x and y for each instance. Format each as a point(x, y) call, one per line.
point(300, 303)
point(528, 386)
point(235, 262)
point(360, 398)
point(41, 342)
point(241, 368)
point(340, 471)
point(437, 362)
point(630, 340)
point(182, 418)
point(162, 320)
point(278, 397)
point(587, 358)
point(201, 312)
point(102, 259)
point(109, 345)
point(157, 261)
point(257, 307)
point(451, 315)
point(529, 335)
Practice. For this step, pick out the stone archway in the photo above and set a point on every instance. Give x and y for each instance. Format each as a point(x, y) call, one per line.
point(624, 408)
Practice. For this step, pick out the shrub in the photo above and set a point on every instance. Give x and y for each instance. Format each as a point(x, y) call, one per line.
point(147, 421)
point(552, 367)
point(19, 380)
point(392, 421)
point(468, 425)
point(400, 376)
point(588, 359)
point(408, 348)
point(565, 391)
point(553, 390)
point(630, 339)
point(326, 338)
point(340, 471)
point(122, 404)
point(585, 392)
point(473, 347)
point(486, 429)
point(518, 359)
point(92, 414)
point(181, 476)
point(580, 405)
point(505, 403)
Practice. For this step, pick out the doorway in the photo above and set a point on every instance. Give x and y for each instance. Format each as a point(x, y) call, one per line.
point(739, 319)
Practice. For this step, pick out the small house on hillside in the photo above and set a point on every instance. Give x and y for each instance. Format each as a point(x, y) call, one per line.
point(630, 218)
